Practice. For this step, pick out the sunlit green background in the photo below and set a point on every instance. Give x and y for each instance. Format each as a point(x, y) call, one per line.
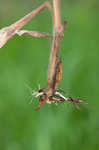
point(23, 66)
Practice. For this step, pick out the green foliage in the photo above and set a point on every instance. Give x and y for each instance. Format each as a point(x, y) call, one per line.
point(24, 61)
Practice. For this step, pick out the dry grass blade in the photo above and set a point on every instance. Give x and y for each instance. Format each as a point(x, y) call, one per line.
point(7, 32)
point(32, 33)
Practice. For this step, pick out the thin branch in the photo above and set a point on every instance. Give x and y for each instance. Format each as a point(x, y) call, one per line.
point(9, 31)
point(57, 37)
point(32, 33)
point(20, 23)
point(57, 23)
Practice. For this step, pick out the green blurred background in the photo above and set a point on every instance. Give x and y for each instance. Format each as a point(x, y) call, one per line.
point(23, 65)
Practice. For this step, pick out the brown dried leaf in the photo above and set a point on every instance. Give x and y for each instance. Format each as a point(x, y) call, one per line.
point(9, 31)
point(32, 33)
point(58, 72)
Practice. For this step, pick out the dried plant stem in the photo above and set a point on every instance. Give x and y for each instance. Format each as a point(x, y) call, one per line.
point(49, 94)
point(17, 25)
point(57, 18)
point(32, 33)
point(7, 32)
point(58, 31)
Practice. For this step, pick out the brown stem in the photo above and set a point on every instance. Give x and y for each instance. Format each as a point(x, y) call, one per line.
point(7, 32)
point(20, 23)
point(33, 33)
point(57, 18)
point(58, 31)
